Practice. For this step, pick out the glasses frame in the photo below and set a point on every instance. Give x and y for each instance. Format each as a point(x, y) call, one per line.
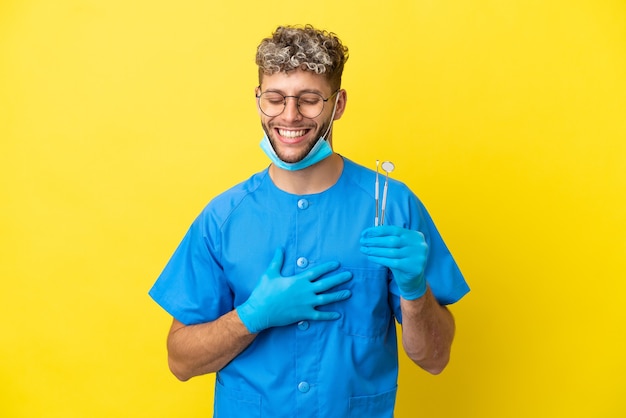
point(324, 100)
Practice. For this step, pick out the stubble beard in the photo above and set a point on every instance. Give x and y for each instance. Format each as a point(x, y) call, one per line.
point(298, 157)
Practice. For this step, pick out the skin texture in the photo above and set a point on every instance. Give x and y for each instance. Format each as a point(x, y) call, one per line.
point(428, 328)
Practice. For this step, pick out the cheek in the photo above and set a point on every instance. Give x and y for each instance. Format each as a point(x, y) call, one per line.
point(265, 121)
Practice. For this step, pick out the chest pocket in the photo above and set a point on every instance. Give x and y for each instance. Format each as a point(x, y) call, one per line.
point(377, 406)
point(367, 312)
point(230, 403)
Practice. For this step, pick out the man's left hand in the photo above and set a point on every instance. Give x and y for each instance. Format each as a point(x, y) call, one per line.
point(403, 251)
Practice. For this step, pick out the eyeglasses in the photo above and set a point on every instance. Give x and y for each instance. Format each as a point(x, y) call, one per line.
point(310, 105)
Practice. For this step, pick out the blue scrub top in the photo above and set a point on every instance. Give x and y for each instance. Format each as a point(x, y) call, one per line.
point(342, 368)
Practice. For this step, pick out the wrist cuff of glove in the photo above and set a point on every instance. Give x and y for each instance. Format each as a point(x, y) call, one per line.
point(246, 314)
point(416, 292)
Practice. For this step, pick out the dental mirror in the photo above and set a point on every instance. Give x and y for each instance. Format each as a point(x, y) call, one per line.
point(388, 166)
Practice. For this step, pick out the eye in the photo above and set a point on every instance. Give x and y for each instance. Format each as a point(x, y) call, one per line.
point(310, 99)
point(273, 98)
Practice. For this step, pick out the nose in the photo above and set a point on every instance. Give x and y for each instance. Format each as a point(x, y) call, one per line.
point(291, 111)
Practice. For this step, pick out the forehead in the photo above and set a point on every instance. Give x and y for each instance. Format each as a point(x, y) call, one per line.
point(296, 81)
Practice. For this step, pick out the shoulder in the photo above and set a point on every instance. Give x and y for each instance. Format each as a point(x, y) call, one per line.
point(221, 206)
point(358, 175)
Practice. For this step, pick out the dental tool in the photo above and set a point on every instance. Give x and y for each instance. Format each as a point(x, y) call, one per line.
point(376, 195)
point(388, 167)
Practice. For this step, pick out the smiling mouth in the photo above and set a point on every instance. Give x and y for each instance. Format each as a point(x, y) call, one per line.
point(292, 134)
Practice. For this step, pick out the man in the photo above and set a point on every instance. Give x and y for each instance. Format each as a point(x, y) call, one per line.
point(284, 287)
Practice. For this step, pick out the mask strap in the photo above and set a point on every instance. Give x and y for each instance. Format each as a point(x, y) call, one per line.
point(332, 117)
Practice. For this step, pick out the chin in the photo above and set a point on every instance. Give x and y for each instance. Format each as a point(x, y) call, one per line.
point(292, 159)
point(294, 156)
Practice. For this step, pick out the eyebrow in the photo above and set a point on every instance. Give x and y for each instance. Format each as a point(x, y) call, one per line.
point(298, 93)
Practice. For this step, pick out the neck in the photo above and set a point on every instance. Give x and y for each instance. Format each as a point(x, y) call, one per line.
point(314, 179)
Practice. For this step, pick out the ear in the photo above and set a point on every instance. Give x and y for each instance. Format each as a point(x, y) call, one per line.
point(257, 91)
point(342, 99)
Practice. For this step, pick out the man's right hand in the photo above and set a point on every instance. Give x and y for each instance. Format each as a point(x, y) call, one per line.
point(278, 300)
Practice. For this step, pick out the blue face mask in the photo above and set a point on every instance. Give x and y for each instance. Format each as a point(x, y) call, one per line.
point(320, 150)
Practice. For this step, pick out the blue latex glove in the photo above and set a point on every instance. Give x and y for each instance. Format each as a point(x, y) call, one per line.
point(279, 300)
point(403, 251)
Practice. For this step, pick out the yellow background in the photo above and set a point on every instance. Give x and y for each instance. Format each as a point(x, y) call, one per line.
point(120, 119)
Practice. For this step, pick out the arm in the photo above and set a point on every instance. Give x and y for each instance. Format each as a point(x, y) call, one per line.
point(427, 327)
point(205, 348)
point(427, 332)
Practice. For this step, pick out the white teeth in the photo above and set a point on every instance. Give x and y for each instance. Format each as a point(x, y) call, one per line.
point(291, 134)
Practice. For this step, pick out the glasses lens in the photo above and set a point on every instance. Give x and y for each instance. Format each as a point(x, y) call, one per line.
point(271, 103)
point(310, 105)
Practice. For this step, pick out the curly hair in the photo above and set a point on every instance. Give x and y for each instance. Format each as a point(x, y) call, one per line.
point(307, 48)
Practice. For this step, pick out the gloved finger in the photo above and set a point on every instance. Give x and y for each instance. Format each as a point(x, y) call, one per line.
point(277, 262)
point(383, 242)
point(326, 298)
point(316, 272)
point(382, 231)
point(392, 247)
point(329, 282)
point(391, 263)
point(383, 236)
point(406, 239)
point(325, 316)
